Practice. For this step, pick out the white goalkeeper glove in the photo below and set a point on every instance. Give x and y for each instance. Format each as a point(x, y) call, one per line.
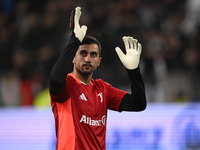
point(133, 51)
point(75, 28)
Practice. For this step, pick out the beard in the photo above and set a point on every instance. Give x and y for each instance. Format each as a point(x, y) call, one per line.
point(85, 71)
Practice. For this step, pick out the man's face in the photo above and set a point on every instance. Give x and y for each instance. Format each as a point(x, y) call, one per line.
point(87, 59)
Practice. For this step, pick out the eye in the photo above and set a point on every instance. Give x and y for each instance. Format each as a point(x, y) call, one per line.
point(83, 53)
point(94, 54)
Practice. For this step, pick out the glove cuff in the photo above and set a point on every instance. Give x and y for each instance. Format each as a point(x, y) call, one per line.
point(136, 70)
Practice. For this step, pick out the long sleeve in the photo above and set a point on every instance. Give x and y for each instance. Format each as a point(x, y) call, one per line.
point(136, 101)
point(63, 66)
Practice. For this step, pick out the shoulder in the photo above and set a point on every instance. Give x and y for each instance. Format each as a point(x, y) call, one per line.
point(72, 78)
point(101, 82)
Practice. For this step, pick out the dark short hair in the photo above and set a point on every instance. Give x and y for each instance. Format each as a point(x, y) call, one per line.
point(91, 40)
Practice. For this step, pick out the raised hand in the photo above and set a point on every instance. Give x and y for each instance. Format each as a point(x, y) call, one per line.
point(75, 28)
point(133, 51)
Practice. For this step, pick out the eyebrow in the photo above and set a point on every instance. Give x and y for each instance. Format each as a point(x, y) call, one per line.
point(83, 50)
point(94, 52)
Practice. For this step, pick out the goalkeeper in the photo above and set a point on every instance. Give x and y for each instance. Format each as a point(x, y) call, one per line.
point(80, 103)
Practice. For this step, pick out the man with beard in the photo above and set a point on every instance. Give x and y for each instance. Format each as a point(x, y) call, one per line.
point(80, 103)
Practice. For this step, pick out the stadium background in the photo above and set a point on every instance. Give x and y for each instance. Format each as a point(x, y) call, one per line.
point(33, 33)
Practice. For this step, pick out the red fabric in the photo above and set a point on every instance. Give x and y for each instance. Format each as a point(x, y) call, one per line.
point(87, 106)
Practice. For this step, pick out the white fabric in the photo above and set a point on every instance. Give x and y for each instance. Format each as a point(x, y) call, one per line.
point(79, 31)
point(133, 51)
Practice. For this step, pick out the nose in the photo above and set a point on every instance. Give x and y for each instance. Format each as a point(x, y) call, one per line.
point(87, 58)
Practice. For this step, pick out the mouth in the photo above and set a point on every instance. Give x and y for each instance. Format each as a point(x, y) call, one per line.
point(87, 66)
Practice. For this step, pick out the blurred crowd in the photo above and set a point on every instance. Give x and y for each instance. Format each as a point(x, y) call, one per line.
point(33, 34)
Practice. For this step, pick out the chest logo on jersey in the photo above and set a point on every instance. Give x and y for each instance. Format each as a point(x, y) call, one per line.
point(101, 97)
point(91, 122)
point(82, 97)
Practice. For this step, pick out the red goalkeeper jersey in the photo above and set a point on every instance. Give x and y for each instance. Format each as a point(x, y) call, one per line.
point(81, 111)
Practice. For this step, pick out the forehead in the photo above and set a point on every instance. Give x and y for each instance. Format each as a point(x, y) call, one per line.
point(89, 47)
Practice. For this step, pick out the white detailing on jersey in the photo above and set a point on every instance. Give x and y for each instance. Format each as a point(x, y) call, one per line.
point(100, 94)
point(89, 121)
point(82, 96)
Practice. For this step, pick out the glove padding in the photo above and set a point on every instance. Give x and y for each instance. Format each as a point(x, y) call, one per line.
point(133, 51)
point(75, 28)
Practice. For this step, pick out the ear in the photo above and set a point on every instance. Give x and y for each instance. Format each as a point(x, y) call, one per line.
point(73, 61)
point(99, 61)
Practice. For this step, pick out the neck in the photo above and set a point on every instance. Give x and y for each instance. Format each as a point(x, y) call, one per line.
point(83, 77)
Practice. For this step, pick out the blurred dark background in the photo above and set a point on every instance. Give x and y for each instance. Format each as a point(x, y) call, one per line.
point(33, 34)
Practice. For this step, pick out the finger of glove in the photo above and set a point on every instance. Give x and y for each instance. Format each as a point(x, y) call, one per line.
point(126, 43)
point(139, 48)
point(135, 42)
point(120, 54)
point(83, 29)
point(77, 15)
point(131, 41)
point(78, 8)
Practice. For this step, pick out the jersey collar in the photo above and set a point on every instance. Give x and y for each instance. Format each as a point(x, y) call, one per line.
point(77, 80)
